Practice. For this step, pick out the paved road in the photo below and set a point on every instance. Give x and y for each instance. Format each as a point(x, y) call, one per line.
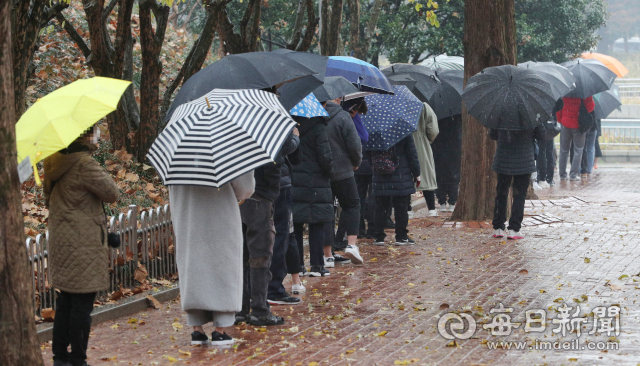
point(387, 311)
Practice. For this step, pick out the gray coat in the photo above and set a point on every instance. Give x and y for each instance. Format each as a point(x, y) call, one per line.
point(423, 137)
point(208, 231)
point(346, 148)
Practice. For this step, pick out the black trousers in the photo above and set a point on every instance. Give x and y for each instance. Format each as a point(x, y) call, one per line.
point(400, 204)
point(346, 191)
point(71, 326)
point(316, 239)
point(546, 162)
point(281, 247)
point(363, 182)
point(259, 236)
point(447, 193)
point(430, 198)
point(520, 185)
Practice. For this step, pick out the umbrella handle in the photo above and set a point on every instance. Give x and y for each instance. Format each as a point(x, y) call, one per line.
point(208, 105)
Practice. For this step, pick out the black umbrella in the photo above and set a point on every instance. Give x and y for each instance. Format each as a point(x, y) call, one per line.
point(508, 97)
point(253, 70)
point(607, 101)
point(334, 87)
point(403, 79)
point(559, 77)
point(592, 77)
point(446, 101)
point(292, 93)
point(426, 80)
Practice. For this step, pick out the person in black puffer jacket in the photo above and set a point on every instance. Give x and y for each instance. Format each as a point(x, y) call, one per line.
point(311, 189)
point(514, 161)
point(400, 185)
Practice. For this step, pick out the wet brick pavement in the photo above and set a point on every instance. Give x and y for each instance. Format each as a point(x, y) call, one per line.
point(387, 311)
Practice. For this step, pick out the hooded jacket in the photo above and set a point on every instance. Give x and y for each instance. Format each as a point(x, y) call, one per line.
point(400, 182)
point(311, 191)
point(75, 187)
point(346, 147)
point(570, 112)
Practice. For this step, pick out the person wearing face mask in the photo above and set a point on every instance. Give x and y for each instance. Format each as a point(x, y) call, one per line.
point(75, 187)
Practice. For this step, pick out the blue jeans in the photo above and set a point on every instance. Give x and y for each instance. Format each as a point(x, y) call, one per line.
point(589, 154)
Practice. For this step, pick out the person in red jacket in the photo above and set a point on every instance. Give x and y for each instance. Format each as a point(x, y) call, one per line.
point(568, 117)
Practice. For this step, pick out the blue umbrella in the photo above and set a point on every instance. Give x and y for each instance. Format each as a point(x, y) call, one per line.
point(309, 107)
point(391, 118)
point(366, 77)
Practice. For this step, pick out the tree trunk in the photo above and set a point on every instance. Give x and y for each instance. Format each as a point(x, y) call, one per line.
point(354, 30)
point(489, 40)
point(371, 27)
point(310, 32)
point(333, 31)
point(18, 336)
point(151, 43)
point(324, 27)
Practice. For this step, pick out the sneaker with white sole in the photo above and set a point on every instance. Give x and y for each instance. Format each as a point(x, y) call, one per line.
point(451, 208)
point(318, 271)
point(221, 339)
point(353, 253)
point(284, 300)
point(379, 243)
point(544, 185)
point(498, 233)
point(443, 207)
point(407, 241)
point(329, 262)
point(198, 338)
point(338, 259)
point(432, 213)
point(514, 235)
point(536, 186)
point(298, 289)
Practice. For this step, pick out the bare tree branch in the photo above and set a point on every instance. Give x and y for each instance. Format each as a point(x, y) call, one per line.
point(107, 10)
point(50, 12)
point(297, 26)
point(73, 33)
point(310, 32)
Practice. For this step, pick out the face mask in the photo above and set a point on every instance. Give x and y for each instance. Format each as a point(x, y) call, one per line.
point(95, 137)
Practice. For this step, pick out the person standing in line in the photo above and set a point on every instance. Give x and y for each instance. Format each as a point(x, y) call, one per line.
point(276, 293)
point(598, 151)
point(208, 228)
point(311, 191)
point(423, 137)
point(75, 187)
point(346, 150)
point(398, 185)
point(514, 161)
point(589, 153)
point(569, 117)
point(447, 156)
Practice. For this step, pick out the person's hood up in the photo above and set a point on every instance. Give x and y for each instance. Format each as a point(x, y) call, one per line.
point(56, 165)
point(333, 109)
point(306, 124)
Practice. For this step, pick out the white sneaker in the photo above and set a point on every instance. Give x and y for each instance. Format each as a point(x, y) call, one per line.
point(514, 235)
point(298, 289)
point(536, 186)
point(498, 233)
point(451, 208)
point(353, 253)
point(411, 214)
point(433, 213)
point(329, 262)
point(544, 185)
point(443, 207)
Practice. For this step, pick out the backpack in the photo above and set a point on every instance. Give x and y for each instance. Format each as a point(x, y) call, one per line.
point(585, 119)
point(384, 162)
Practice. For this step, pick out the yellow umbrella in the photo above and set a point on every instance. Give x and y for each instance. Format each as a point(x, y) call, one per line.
point(56, 120)
point(610, 62)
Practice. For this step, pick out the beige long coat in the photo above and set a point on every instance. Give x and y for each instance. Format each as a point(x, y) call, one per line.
point(75, 185)
point(423, 137)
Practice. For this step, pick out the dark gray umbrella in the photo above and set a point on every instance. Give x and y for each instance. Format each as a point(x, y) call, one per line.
point(334, 87)
point(592, 77)
point(446, 101)
point(508, 97)
point(252, 70)
point(559, 77)
point(403, 79)
point(426, 80)
point(292, 93)
point(607, 101)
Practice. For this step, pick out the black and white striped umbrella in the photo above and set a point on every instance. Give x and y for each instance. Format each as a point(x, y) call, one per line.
point(220, 136)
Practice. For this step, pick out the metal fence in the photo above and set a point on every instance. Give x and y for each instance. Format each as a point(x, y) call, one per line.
point(629, 88)
point(620, 132)
point(146, 240)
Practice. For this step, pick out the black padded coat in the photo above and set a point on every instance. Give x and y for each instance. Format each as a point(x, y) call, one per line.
point(311, 186)
point(400, 183)
point(515, 152)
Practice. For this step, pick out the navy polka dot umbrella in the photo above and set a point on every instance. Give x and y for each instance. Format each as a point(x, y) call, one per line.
point(391, 118)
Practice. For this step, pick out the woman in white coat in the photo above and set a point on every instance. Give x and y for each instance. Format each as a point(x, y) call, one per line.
point(423, 137)
point(208, 230)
